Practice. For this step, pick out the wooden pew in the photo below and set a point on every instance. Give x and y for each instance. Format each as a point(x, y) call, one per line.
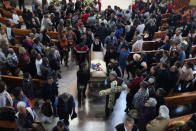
point(16, 48)
point(193, 50)
point(25, 32)
point(181, 99)
point(159, 34)
point(8, 14)
point(193, 60)
point(8, 7)
point(5, 21)
point(166, 15)
point(151, 45)
point(8, 125)
point(181, 118)
point(17, 81)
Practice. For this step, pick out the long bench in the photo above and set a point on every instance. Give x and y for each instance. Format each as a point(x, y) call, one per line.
point(25, 32)
point(5, 21)
point(182, 118)
point(8, 14)
point(17, 81)
point(8, 7)
point(8, 125)
point(181, 99)
point(151, 45)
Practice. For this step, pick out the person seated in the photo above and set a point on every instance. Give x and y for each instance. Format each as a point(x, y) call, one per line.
point(24, 59)
point(27, 44)
point(5, 98)
point(19, 96)
point(128, 125)
point(60, 126)
point(25, 117)
point(141, 96)
point(12, 59)
point(37, 45)
point(16, 19)
point(161, 122)
point(147, 112)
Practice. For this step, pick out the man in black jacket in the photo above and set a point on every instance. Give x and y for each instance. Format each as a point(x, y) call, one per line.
point(83, 76)
point(50, 91)
point(128, 125)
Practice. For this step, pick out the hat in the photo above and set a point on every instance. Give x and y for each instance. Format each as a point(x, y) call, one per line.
point(113, 74)
point(136, 57)
point(151, 80)
point(144, 84)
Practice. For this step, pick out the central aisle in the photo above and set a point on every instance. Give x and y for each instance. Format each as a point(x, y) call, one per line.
point(91, 114)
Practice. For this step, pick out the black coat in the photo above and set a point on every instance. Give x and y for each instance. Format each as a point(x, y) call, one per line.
point(121, 127)
point(28, 88)
point(49, 91)
point(83, 77)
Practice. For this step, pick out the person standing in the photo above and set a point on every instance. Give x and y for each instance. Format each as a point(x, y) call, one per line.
point(65, 105)
point(50, 92)
point(83, 76)
point(21, 4)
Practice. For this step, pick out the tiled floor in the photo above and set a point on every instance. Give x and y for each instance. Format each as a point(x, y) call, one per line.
point(91, 114)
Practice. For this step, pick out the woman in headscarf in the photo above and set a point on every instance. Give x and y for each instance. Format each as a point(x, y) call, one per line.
point(160, 123)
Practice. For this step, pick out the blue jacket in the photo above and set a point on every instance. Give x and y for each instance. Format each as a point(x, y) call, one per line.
point(122, 56)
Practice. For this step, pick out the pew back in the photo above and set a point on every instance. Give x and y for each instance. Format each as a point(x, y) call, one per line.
point(181, 99)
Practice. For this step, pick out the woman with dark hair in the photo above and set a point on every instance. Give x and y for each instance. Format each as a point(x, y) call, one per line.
point(46, 38)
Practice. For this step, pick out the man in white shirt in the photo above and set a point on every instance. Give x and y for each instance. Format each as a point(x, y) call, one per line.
point(140, 28)
point(137, 46)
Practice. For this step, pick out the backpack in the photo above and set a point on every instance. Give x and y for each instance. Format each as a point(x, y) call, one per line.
point(46, 109)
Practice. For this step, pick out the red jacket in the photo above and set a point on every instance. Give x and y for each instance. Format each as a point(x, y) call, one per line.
point(85, 17)
point(134, 85)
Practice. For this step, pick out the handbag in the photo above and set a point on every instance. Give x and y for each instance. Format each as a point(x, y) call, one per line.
point(46, 109)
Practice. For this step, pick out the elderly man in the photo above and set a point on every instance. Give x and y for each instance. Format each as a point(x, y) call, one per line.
point(128, 125)
point(25, 117)
point(115, 85)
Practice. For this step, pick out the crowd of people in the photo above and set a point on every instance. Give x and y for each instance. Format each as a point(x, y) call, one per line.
point(83, 27)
